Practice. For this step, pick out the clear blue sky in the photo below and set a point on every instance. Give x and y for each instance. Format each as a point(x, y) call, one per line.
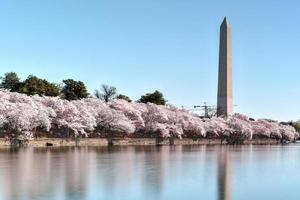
point(169, 45)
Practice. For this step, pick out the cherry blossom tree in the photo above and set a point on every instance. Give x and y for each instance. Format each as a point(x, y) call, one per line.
point(25, 115)
point(241, 129)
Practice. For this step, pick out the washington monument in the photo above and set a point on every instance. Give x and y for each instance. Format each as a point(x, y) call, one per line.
point(225, 105)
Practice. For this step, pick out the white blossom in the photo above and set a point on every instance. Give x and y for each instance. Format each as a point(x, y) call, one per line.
point(25, 114)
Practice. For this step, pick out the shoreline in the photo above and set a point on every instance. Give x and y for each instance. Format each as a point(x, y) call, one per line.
point(102, 142)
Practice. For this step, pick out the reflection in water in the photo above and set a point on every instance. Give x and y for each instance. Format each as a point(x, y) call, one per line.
point(224, 176)
point(153, 173)
point(160, 173)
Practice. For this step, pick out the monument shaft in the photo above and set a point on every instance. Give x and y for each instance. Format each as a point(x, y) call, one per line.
point(225, 104)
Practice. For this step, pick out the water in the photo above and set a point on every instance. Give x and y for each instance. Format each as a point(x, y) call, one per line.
point(154, 173)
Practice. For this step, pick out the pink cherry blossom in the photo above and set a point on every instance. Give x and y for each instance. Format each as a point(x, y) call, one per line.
point(24, 114)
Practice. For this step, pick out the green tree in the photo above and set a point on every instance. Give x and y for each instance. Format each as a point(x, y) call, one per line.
point(52, 90)
point(124, 97)
point(74, 90)
point(34, 85)
point(155, 97)
point(10, 81)
point(296, 125)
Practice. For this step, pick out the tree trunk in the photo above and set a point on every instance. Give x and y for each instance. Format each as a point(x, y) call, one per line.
point(157, 139)
point(110, 140)
point(77, 140)
point(171, 141)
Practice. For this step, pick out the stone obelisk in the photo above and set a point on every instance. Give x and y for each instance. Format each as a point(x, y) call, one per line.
point(225, 105)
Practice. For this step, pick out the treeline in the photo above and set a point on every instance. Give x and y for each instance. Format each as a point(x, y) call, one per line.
point(70, 89)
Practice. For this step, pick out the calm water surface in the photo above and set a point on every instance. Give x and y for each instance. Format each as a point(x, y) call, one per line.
point(154, 173)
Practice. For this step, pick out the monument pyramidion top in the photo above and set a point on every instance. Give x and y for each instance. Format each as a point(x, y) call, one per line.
point(225, 23)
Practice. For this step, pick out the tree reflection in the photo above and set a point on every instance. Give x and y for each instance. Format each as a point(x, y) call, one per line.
point(154, 172)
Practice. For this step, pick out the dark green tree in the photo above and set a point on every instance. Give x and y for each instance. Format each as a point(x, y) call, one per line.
point(10, 81)
point(52, 90)
point(296, 125)
point(155, 97)
point(74, 90)
point(34, 85)
point(124, 97)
